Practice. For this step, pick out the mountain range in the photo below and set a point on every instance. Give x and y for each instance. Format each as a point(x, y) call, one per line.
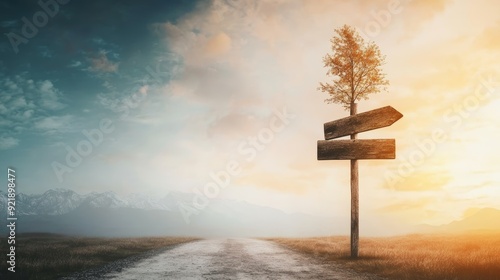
point(62, 201)
point(64, 211)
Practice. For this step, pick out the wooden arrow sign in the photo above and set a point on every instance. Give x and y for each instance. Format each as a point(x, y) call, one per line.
point(370, 120)
point(357, 149)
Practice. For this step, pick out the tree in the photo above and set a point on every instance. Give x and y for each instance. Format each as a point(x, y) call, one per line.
point(355, 66)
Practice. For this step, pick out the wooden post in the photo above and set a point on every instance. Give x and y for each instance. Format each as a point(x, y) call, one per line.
point(354, 197)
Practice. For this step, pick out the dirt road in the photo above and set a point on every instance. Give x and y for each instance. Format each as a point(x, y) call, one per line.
point(231, 259)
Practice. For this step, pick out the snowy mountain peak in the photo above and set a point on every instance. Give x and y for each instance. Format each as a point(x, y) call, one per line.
point(61, 201)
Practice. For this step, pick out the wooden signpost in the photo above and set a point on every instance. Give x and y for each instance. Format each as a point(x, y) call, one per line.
point(355, 149)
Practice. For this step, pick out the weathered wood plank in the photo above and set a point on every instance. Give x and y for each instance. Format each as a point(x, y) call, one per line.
point(357, 149)
point(370, 120)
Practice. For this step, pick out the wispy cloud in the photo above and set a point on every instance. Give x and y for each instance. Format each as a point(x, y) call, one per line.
point(50, 96)
point(75, 64)
point(8, 142)
point(54, 124)
point(101, 63)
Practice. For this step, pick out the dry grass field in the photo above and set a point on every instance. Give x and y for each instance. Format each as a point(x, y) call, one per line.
point(450, 257)
point(46, 256)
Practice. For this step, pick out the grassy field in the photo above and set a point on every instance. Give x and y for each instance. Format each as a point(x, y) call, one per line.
point(451, 257)
point(46, 256)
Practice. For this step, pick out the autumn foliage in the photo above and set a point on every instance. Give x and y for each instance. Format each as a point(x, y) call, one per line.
point(355, 68)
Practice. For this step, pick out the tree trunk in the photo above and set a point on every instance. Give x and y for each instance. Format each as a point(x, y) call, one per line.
point(354, 197)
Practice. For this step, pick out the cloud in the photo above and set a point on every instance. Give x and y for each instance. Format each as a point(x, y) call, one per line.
point(273, 181)
point(489, 39)
point(3, 109)
point(416, 14)
point(5, 122)
point(234, 124)
point(8, 142)
point(218, 44)
point(281, 179)
point(416, 211)
point(427, 9)
point(408, 204)
point(22, 103)
point(418, 179)
point(54, 124)
point(17, 103)
point(45, 51)
point(50, 96)
point(101, 63)
point(22, 93)
point(222, 65)
point(28, 114)
point(75, 64)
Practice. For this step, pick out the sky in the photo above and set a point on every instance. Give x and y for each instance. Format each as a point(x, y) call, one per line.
point(219, 99)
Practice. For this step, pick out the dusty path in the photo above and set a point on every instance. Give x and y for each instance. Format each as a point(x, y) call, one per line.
point(231, 259)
